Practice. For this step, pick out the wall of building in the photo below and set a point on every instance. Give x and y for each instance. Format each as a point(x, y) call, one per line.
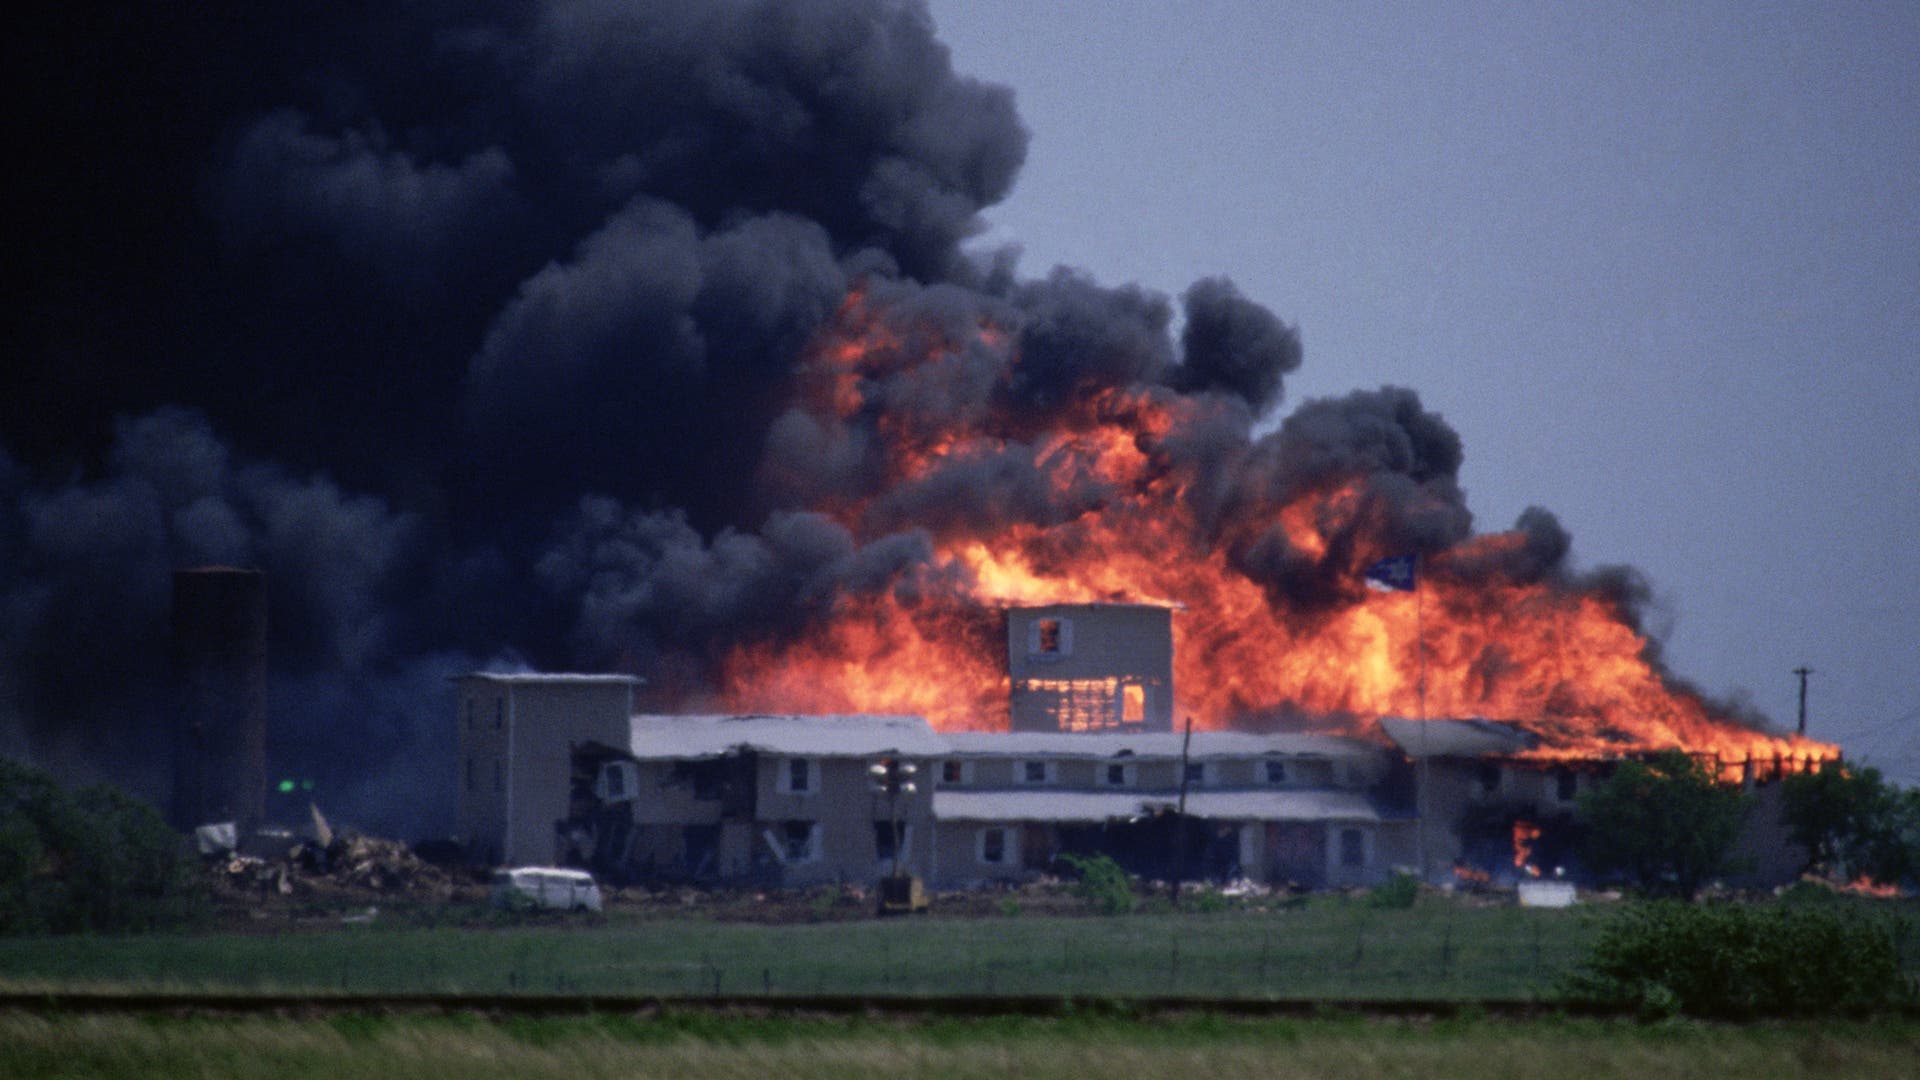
point(516, 737)
point(1090, 667)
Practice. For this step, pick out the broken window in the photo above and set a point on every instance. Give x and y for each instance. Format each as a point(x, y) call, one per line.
point(1276, 772)
point(1048, 631)
point(1080, 704)
point(993, 846)
point(1353, 847)
point(797, 840)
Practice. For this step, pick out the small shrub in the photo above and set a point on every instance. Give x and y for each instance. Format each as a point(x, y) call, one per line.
point(1010, 908)
point(1102, 883)
point(1211, 901)
point(1732, 960)
point(1396, 893)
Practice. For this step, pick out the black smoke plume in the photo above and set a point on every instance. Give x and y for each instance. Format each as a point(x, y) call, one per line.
point(478, 326)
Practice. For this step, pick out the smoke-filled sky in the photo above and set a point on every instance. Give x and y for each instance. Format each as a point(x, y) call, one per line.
point(487, 330)
point(1659, 266)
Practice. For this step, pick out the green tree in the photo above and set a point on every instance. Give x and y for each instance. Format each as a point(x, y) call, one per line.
point(1853, 822)
point(97, 859)
point(1666, 824)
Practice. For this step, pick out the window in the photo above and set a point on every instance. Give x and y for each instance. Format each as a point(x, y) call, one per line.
point(993, 847)
point(1050, 638)
point(1116, 775)
point(1276, 772)
point(1049, 635)
point(1566, 783)
point(1489, 777)
point(954, 772)
point(799, 841)
point(1196, 774)
point(797, 776)
point(1034, 772)
point(1353, 847)
point(1133, 704)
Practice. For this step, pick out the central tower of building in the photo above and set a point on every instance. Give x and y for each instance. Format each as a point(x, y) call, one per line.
point(1091, 667)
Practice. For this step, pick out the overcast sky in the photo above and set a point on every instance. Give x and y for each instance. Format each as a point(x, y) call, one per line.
point(1659, 265)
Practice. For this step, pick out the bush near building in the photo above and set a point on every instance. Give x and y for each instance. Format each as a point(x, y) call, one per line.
point(1853, 823)
point(92, 860)
point(1666, 825)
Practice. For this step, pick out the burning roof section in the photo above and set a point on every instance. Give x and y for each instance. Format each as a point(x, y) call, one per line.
point(1457, 738)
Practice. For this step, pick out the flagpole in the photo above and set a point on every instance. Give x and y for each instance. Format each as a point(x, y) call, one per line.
point(1420, 781)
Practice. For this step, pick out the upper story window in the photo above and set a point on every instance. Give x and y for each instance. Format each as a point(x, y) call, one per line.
point(1050, 637)
point(797, 776)
point(1196, 774)
point(956, 772)
point(1033, 772)
point(1116, 774)
point(1275, 772)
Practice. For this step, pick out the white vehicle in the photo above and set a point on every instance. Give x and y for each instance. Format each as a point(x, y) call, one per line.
point(546, 887)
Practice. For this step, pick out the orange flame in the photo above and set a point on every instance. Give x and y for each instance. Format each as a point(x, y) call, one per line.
point(1565, 664)
point(1865, 885)
point(1524, 834)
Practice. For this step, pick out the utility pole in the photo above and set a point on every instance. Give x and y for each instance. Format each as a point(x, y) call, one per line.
point(1803, 672)
point(1180, 817)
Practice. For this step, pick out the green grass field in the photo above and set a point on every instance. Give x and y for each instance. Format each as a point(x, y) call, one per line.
point(693, 1046)
point(1331, 948)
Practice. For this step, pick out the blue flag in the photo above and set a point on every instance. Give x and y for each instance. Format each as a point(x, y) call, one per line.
point(1393, 575)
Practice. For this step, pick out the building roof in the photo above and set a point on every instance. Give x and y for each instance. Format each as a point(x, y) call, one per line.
point(1457, 738)
point(1097, 806)
point(522, 678)
point(1164, 745)
point(1116, 605)
point(683, 737)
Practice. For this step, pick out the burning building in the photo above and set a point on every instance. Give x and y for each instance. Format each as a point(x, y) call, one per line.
point(1090, 667)
point(704, 383)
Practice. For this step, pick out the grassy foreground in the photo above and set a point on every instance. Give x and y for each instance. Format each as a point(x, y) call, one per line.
point(1331, 949)
point(695, 1046)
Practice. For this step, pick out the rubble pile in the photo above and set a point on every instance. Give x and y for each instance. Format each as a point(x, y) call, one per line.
point(349, 866)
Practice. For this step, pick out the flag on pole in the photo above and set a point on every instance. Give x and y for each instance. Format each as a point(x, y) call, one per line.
point(1392, 575)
